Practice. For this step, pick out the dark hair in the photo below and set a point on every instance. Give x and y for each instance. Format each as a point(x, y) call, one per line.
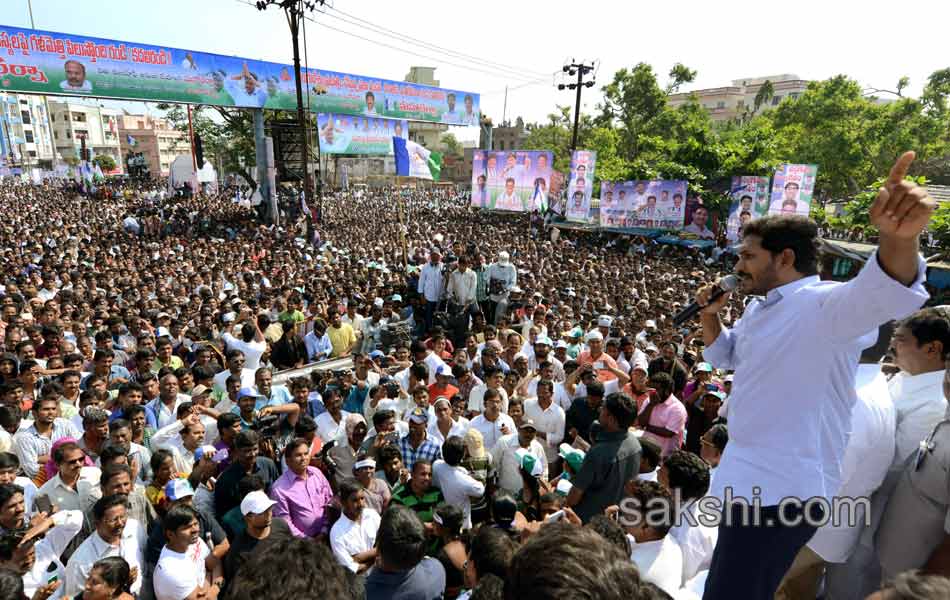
point(453, 449)
point(650, 451)
point(348, 487)
point(451, 517)
point(595, 389)
point(381, 416)
point(588, 566)
point(9, 490)
point(718, 436)
point(663, 383)
point(59, 454)
point(159, 457)
point(250, 483)
point(611, 531)
point(305, 424)
point(9, 460)
point(491, 552)
point(180, 515)
point(110, 452)
point(247, 439)
point(688, 473)
point(11, 582)
point(111, 470)
point(103, 504)
point(227, 420)
point(119, 424)
point(929, 325)
point(622, 407)
point(797, 233)
point(116, 573)
point(489, 587)
point(293, 445)
point(388, 453)
point(401, 538)
point(304, 566)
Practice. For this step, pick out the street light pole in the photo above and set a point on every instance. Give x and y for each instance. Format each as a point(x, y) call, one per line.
point(579, 69)
point(294, 10)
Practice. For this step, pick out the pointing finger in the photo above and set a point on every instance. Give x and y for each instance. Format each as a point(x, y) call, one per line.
point(899, 170)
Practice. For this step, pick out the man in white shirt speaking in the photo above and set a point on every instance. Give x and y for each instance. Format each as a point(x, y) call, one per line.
point(795, 352)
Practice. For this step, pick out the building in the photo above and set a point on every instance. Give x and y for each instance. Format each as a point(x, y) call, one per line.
point(25, 138)
point(74, 122)
point(508, 136)
point(153, 137)
point(732, 101)
point(425, 134)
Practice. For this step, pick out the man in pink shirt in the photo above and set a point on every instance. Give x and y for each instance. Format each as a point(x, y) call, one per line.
point(302, 493)
point(605, 366)
point(663, 417)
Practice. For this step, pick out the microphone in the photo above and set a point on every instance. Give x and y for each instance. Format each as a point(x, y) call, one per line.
point(726, 284)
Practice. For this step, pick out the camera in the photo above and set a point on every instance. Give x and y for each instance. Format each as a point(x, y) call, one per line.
point(266, 426)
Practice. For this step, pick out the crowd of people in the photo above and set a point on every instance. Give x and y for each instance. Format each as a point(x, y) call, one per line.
point(516, 399)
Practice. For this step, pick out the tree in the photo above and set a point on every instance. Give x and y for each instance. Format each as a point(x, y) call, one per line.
point(105, 162)
point(763, 96)
point(679, 75)
point(452, 146)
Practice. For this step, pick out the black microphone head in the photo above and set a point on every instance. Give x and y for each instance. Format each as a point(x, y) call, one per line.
point(729, 283)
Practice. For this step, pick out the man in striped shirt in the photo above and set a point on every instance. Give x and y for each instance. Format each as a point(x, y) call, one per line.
point(418, 494)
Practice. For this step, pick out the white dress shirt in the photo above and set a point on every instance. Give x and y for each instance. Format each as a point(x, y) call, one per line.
point(506, 462)
point(491, 430)
point(550, 421)
point(328, 429)
point(561, 397)
point(430, 282)
point(660, 562)
point(795, 354)
point(476, 398)
point(866, 461)
point(696, 543)
point(459, 429)
point(253, 351)
point(458, 487)
point(462, 286)
point(348, 537)
point(169, 437)
point(49, 549)
point(919, 402)
point(131, 547)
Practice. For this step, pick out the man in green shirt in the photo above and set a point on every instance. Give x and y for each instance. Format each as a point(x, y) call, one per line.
point(418, 494)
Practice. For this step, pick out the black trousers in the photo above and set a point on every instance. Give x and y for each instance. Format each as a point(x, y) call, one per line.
point(752, 556)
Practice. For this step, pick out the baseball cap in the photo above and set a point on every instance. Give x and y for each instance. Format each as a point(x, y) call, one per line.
point(572, 456)
point(376, 354)
point(595, 335)
point(543, 339)
point(199, 390)
point(256, 503)
point(716, 393)
point(728, 378)
point(560, 344)
point(575, 333)
point(245, 392)
point(604, 321)
point(528, 424)
point(529, 462)
point(704, 367)
point(396, 298)
point(650, 324)
point(418, 415)
point(176, 489)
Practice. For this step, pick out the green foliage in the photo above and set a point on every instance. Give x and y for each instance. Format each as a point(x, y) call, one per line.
point(105, 162)
point(452, 146)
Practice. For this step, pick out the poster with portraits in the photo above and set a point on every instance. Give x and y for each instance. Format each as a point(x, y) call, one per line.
point(792, 189)
point(514, 181)
point(347, 134)
point(643, 204)
point(750, 200)
point(580, 186)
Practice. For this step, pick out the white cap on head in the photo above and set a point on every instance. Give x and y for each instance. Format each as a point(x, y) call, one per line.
point(595, 335)
point(503, 257)
point(256, 503)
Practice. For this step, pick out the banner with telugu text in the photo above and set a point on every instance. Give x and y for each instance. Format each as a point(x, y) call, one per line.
point(658, 204)
point(44, 62)
point(515, 181)
point(792, 189)
point(347, 134)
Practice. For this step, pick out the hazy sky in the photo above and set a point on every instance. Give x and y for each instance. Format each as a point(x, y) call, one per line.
point(874, 42)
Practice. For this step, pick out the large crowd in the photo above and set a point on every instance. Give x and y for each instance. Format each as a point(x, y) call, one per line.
point(510, 393)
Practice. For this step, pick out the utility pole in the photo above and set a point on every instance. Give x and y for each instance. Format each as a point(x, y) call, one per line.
point(579, 69)
point(294, 10)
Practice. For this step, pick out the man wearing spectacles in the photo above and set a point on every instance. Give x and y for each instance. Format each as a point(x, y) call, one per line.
point(116, 535)
point(65, 488)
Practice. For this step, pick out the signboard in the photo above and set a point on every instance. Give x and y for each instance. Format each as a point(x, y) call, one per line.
point(347, 134)
point(643, 204)
point(511, 180)
point(44, 62)
point(581, 186)
point(750, 200)
point(792, 189)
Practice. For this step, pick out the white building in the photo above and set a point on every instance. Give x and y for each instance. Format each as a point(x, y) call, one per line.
point(25, 131)
point(73, 121)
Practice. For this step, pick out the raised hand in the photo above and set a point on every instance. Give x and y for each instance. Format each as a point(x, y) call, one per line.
point(902, 209)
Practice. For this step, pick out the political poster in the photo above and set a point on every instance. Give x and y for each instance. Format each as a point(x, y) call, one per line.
point(658, 204)
point(46, 62)
point(556, 193)
point(348, 134)
point(514, 181)
point(750, 200)
point(792, 189)
point(580, 186)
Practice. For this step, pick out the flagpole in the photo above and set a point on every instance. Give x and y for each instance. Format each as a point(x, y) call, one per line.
point(191, 138)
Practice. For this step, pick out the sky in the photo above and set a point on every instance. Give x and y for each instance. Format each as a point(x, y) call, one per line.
point(487, 45)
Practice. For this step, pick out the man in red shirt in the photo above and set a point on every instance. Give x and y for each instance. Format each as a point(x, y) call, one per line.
point(442, 387)
point(605, 366)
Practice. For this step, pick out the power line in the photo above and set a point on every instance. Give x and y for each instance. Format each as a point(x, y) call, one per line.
point(404, 37)
point(523, 79)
